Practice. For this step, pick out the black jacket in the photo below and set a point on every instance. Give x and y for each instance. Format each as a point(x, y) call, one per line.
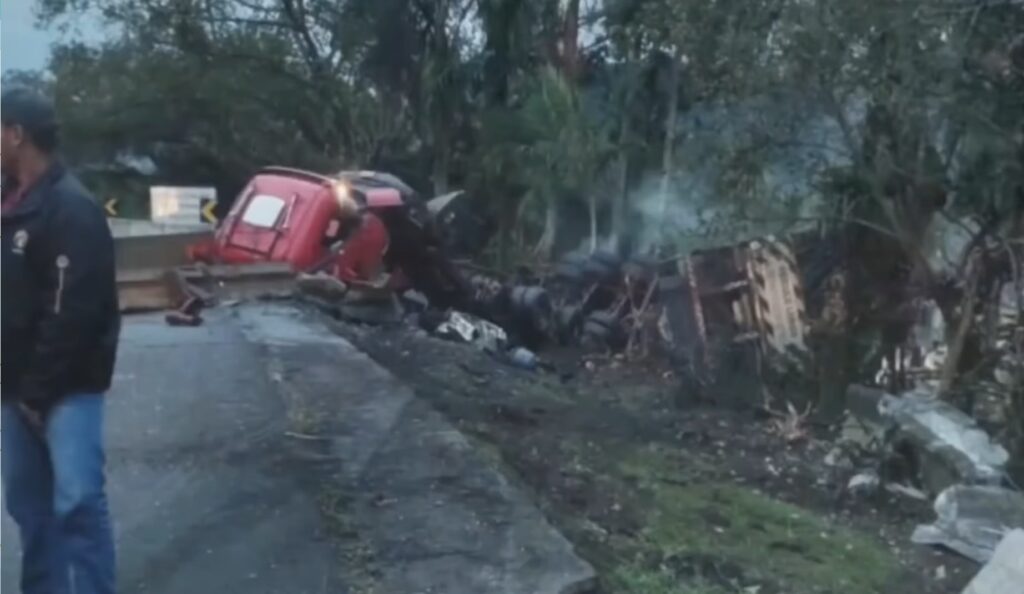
point(60, 314)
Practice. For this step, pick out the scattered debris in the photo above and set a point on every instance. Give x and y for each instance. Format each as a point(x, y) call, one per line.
point(471, 329)
point(790, 425)
point(906, 491)
point(1004, 573)
point(864, 482)
point(187, 314)
point(972, 520)
point(948, 446)
point(523, 358)
point(867, 483)
point(180, 318)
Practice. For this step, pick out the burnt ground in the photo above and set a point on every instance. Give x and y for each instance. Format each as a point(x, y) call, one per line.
point(668, 498)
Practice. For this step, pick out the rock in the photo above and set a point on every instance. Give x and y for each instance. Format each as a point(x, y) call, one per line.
point(522, 358)
point(972, 520)
point(1004, 574)
point(860, 435)
point(864, 482)
point(949, 446)
point(837, 458)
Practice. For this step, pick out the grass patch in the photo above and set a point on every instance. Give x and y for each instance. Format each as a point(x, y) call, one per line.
point(637, 580)
point(772, 542)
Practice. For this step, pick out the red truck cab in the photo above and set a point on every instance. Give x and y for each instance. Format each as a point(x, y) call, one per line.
point(281, 216)
point(290, 215)
point(293, 216)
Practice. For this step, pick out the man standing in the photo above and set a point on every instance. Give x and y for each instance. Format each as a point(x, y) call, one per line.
point(60, 331)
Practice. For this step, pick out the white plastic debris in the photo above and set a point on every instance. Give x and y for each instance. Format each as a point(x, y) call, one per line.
point(1004, 574)
point(973, 520)
point(907, 491)
point(863, 482)
point(471, 329)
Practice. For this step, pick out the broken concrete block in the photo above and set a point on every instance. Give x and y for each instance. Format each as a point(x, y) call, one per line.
point(972, 520)
point(950, 447)
point(1004, 574)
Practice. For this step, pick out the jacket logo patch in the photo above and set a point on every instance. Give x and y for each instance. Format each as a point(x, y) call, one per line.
point(20, 241)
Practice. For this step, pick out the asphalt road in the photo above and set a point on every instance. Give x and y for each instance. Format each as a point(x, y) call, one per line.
point(225, 440)
point(204, 496)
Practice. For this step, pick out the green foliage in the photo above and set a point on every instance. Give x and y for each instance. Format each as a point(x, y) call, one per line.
point(474, 93)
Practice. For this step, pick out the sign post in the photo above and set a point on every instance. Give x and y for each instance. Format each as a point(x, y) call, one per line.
point(182, 206)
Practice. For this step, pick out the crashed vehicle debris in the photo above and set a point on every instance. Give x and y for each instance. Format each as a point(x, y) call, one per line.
point(354, 240)
point(363, 227)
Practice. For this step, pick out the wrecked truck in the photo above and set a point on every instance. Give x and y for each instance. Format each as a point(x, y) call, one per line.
point(293, 217)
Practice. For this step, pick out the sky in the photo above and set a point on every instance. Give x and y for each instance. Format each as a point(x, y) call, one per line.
point(23, 46)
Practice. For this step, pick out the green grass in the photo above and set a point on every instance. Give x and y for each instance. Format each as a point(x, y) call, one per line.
point(772, 541)
point(637, 580)
point(778, 542)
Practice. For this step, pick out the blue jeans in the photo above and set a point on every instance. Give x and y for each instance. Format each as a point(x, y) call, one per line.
point(54, 490)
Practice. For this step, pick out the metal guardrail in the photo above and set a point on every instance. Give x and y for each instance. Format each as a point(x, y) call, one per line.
point(158, 289)
point(145, 252)
point(154, 273)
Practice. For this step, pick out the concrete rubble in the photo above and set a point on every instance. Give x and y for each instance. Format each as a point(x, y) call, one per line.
point(950, 446)
point(1004, 574)
point(918, 438)
point(972, 520)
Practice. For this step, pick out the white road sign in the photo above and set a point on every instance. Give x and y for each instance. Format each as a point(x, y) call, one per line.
point(181, 206)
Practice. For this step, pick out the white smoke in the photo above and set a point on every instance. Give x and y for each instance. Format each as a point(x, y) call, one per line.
point(791, 140)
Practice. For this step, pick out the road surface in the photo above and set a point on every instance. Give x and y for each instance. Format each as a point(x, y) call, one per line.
point(238, 448)
point(204, 496)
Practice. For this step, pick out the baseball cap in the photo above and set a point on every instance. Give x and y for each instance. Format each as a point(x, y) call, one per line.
point(28, 109)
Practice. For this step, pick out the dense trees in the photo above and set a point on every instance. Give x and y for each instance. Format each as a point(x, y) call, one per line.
point(645, 119)
point(655, 124)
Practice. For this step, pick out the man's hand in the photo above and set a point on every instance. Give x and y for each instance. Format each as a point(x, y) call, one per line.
point(33, 417)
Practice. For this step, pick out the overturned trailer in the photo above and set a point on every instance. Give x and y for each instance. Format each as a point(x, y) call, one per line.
point(728, 311)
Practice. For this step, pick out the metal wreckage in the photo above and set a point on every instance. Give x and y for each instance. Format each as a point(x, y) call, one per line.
point(763, 324)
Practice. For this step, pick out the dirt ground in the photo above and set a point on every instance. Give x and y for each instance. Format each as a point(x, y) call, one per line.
point(668, 498)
